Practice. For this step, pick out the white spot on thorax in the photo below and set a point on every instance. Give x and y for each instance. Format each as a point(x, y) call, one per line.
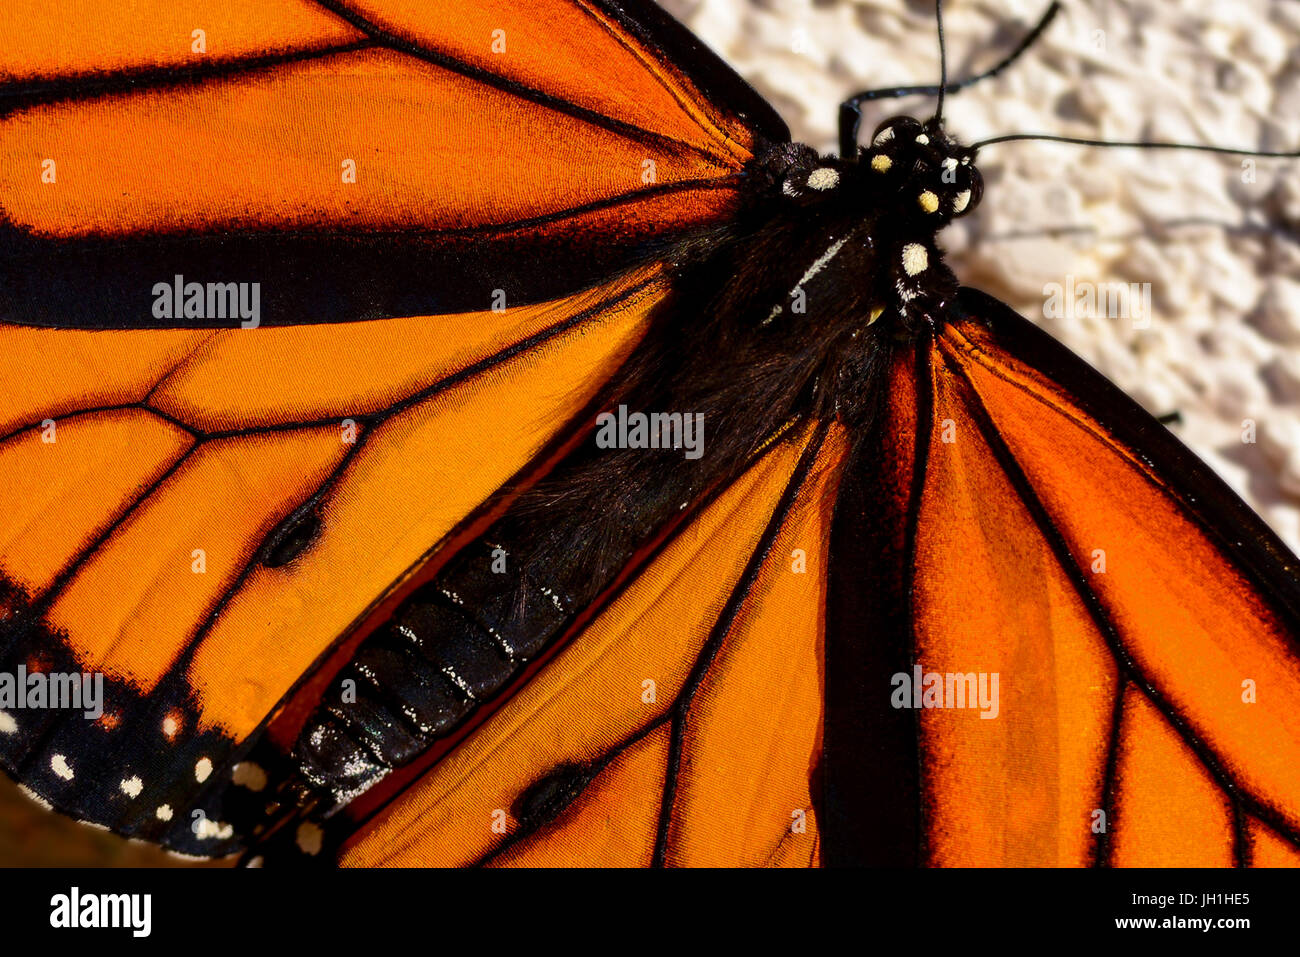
point(923, 139)
point(823, 178)
point(881, 163)
point(915, 259)
point(820, 262)
point(818, 265)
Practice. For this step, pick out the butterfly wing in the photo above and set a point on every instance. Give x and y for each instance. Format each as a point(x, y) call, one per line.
point(622, 750)
point(335, 146)
point(1032, 523)
point(199, 511)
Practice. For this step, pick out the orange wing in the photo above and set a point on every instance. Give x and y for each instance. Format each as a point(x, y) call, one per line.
point(622, 750)
point(200, 511)
point(355, 159)
point(1037, 527)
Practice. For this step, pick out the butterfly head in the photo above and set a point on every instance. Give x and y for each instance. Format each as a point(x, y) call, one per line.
point(934, 177)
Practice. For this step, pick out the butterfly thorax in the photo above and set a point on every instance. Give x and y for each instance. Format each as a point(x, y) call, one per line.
point(892, 198)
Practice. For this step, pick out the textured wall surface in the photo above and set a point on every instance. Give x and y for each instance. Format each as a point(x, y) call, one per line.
point(1222, 256)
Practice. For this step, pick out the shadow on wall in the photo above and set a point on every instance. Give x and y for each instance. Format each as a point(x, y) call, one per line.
point(31, 836)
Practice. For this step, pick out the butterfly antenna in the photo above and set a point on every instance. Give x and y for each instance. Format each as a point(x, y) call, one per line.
point(1135, 144)
point(851, 109)
point(943, 63)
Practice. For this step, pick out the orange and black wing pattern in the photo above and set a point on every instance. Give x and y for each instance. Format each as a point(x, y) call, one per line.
point(326, 148)
point(625, 748)
point(320, 326)
point(290, 291)
point(1119, 630)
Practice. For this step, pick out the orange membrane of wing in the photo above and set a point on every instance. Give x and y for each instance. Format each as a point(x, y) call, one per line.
point(46, 39)
point(218, 156)
point(1196, 629)
point(587, 699)
point(1017, 787)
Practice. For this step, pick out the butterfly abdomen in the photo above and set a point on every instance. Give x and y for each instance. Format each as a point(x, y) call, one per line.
point(451, 646)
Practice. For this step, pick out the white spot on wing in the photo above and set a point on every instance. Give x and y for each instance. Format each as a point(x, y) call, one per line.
point(309, 838)
point(60, 766)
point(203, 769)
point(207, 829)
point(164, 813)
point(185, 857)
point(7, 723)
point(248, 775)
point(36, 797)
point(131, 787)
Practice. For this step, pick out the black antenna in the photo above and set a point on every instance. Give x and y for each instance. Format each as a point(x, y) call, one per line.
point(851, 109)
point(943, 63)
point(1135, 144)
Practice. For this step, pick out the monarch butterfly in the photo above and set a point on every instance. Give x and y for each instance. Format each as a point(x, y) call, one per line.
point(365, 584)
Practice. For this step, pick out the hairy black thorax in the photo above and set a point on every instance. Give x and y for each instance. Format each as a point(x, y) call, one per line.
point(787, 318)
